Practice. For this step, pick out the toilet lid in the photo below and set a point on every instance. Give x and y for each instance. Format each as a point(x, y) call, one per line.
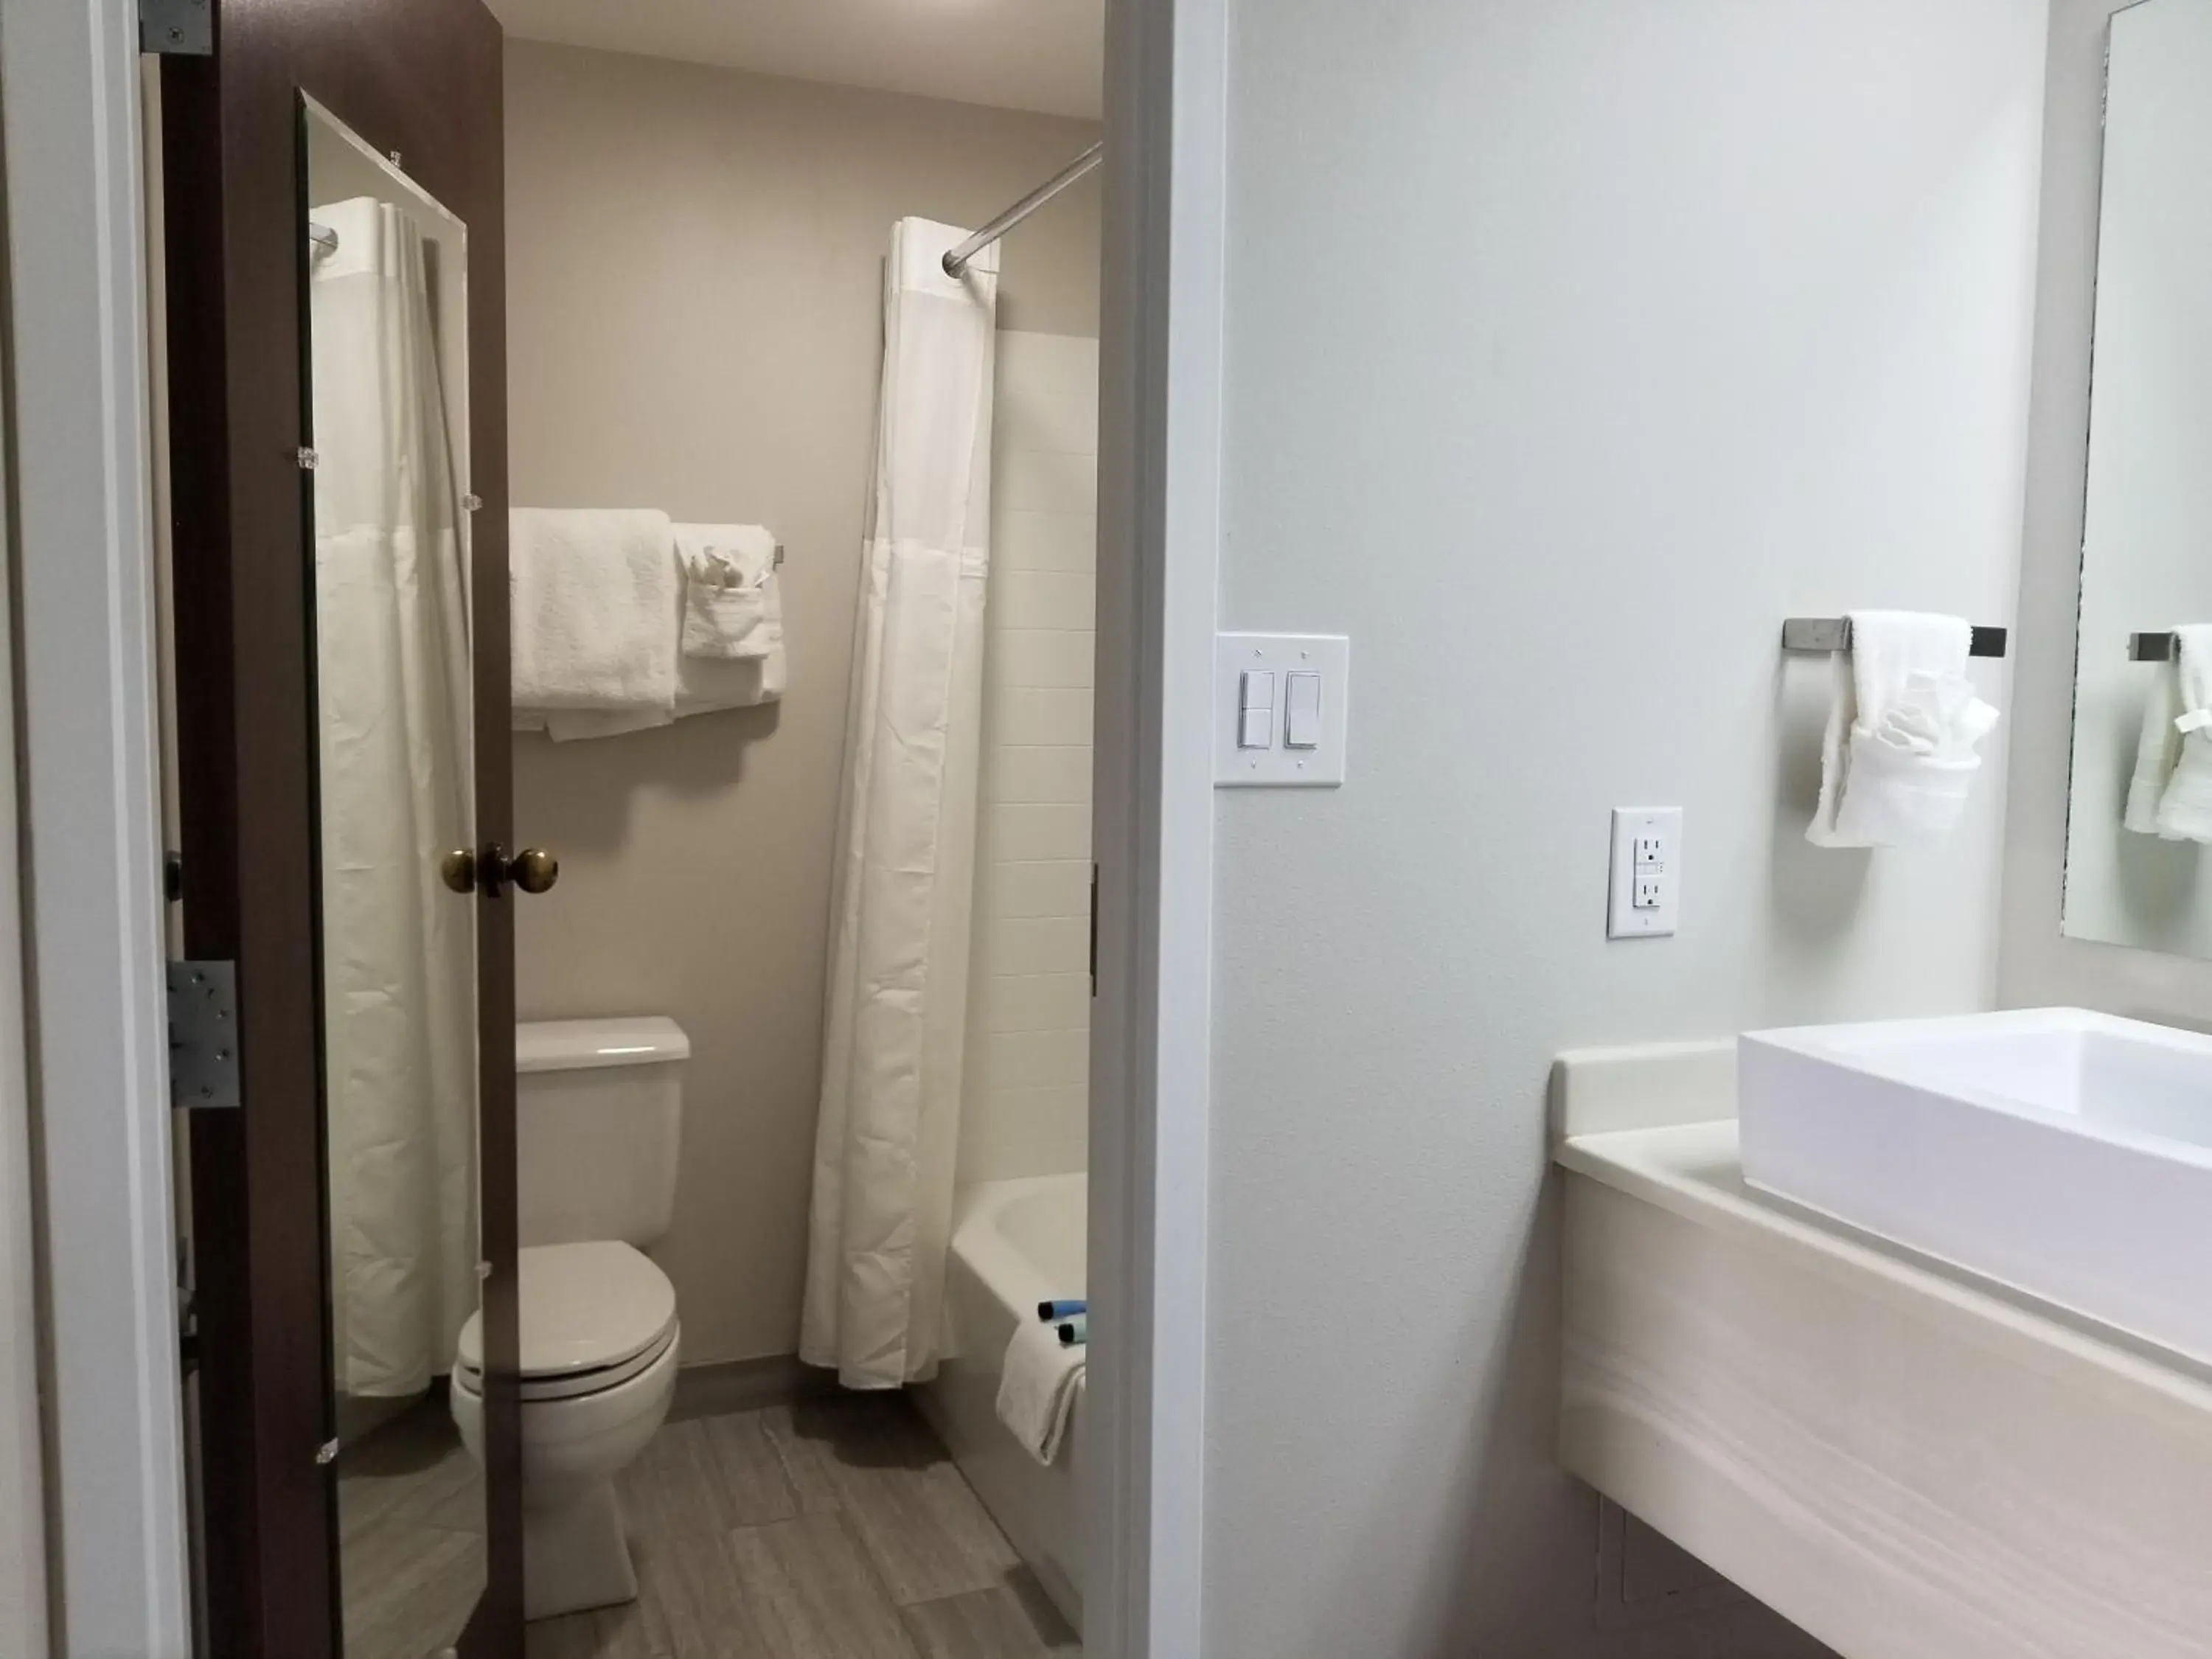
point(585, 1307)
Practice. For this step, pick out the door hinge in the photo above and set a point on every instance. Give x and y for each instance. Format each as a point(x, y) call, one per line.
point(177, 28)
point(1094, 931)
point(204, 1034)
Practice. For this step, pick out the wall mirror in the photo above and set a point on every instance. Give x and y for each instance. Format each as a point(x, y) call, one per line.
point(385, 270)
point(2139, 845)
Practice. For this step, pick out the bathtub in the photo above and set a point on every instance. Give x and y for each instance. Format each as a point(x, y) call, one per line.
point(1015, 1243)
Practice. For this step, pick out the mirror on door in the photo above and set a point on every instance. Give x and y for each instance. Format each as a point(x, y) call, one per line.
point(386, 272)
point(2139, 849)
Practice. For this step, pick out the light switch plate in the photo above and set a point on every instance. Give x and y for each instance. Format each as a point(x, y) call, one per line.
point(1646, 892)
point(1278, 765)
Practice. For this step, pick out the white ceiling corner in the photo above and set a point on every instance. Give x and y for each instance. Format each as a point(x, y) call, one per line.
point(1042, 55)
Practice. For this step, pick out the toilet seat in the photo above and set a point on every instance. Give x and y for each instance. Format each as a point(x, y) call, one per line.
point(594, 1316)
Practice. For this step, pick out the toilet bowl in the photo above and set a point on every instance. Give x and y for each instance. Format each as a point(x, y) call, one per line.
point(600, 1344)
point(598, 1119)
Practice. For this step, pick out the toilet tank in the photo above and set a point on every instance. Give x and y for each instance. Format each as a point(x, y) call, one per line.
point(599, 1115)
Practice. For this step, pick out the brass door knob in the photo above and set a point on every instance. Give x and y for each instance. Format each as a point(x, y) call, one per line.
point(535, 870)
point(458, 870)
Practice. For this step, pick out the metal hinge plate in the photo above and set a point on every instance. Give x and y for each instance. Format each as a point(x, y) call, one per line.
point(204, 1034)
point(177, 28)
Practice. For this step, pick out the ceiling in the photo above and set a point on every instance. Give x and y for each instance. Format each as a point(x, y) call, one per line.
point(1043, 55)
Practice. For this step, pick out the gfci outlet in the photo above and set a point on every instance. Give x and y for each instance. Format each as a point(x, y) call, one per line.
point(1646, 890)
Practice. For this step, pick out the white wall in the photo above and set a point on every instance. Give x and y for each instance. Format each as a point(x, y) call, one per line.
point(2147, 548)
point(1572, 347)
point(1025, 1100)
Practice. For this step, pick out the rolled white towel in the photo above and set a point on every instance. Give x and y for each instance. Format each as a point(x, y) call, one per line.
point(758, 673)
point(1038, 1386)
point(1899, 758)
point(731, 606)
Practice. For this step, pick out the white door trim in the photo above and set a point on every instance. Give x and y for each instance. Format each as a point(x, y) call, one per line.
point(1160, 393)
point(22, 1456)
point(93, 892)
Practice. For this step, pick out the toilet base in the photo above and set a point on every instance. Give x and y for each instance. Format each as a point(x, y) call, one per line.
point(573, 1553)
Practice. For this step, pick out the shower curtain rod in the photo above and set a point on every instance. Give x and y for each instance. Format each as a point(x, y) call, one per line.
point(956, 263)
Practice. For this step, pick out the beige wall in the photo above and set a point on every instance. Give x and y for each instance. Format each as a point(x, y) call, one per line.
point(695, 273)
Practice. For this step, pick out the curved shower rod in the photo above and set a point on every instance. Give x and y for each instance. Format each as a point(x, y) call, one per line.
point(956, 263)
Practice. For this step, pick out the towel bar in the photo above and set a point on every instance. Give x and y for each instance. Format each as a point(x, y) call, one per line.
point(2150, 647)
point(1834, 633)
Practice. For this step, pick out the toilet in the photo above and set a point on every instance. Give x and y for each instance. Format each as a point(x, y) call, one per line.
point(598, 1112)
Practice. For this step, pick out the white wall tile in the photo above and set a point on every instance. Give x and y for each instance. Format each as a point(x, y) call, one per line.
point(1061, 889)
point(1037, 1002)
point(1034, 1059)
point(1026, 657)
point(1050, 715)
point(1059, 774)
point(1025, 1109)
point(1044, 480)
point(1030, 830)
point(1044, 598)
point(1030, 538)
point(1038, 945)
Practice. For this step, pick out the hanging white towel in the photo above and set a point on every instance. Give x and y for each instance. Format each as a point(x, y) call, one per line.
point(594, 597)
point(1038, 1388)
point(2184, 810)
point(2158, 751)
point(1899, 760)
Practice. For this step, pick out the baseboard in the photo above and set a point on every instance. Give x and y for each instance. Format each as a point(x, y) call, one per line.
point(717, 1388)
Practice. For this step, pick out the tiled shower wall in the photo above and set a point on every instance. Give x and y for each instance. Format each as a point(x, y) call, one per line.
point(1025, 1104)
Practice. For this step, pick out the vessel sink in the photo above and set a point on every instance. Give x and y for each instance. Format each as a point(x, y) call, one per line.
point(2065, 1154)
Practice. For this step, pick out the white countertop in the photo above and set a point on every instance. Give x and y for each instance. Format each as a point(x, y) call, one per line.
point(1907, 1461)
point(1691, 1170)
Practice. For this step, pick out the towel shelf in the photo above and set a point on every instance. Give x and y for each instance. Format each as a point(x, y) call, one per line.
point(2150, 647)
point(1829, 634)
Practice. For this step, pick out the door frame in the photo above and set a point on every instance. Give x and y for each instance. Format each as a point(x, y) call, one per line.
point(1163, 346)
point(98, 1037)
point(78, 296)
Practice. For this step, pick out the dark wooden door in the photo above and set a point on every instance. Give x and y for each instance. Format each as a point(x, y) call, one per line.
point(420, 81)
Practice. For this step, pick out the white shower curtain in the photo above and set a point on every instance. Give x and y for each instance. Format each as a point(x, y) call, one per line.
point(394, 706)
point(906, 864)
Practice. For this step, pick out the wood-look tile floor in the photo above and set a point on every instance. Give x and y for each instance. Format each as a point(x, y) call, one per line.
point(410, 1536)
point(832, 1530)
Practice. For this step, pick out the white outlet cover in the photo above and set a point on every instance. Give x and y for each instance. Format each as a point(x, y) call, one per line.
point(1278, 766)
point(1625, 918)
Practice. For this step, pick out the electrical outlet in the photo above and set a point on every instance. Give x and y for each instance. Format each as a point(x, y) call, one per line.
point(1646, 892)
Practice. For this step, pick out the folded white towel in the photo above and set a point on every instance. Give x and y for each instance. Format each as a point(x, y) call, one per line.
point(1038, 1388)
point(704, 684)
point(593, 598)
point(732, 607)
point(2184, 810)
point(1898, 759)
